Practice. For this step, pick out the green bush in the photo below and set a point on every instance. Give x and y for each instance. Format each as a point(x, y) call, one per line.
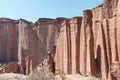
point(42, 72)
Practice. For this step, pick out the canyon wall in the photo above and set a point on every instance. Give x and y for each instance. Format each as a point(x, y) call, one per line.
point(47, 32)
point(68, 45)
point(86, 45)
point(8, 40)
point(91, 42)
point(20, 38)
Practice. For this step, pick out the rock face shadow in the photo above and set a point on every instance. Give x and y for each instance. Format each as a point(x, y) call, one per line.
point(98, 61)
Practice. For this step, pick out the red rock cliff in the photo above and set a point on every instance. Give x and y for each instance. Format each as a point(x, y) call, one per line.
point(20, 38)
point(86, 45)
point(91, 42)
point(8, 40)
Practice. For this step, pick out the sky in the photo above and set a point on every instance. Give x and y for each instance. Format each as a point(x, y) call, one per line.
point(31, 10)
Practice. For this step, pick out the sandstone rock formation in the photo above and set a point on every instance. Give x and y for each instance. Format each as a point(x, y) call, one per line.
point(69, 35)
point(99, 41)
point(86, 45)
point(12, 67)
point(30, 64)
point(8, 37)
point(24, 67)
point(38, 38)
point(20, 38)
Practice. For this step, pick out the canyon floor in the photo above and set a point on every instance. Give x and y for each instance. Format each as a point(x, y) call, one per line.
point(12, 76)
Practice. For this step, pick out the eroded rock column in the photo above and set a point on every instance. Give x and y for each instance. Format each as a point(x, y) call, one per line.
point(87, 48)
point(75, 25)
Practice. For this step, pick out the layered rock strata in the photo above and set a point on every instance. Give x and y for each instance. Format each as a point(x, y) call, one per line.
point(8, 40)
point(98, 41)
point(86, 45)
point(27, 43)
point(20, 38)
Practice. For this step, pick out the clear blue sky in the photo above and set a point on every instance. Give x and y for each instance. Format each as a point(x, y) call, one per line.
point(31, 10)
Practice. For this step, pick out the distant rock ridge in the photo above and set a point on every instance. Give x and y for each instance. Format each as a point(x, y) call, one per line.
point(86, 45)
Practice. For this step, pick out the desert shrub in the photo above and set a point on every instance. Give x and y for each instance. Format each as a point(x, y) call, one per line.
point(42, 72)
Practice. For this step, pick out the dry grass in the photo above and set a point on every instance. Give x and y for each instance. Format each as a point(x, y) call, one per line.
point(42, 72)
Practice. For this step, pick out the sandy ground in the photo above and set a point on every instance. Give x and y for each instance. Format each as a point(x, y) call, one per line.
point(11, 76)
point(77, 77)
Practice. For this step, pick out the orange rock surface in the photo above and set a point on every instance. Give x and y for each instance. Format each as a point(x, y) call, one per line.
point(87, 45)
